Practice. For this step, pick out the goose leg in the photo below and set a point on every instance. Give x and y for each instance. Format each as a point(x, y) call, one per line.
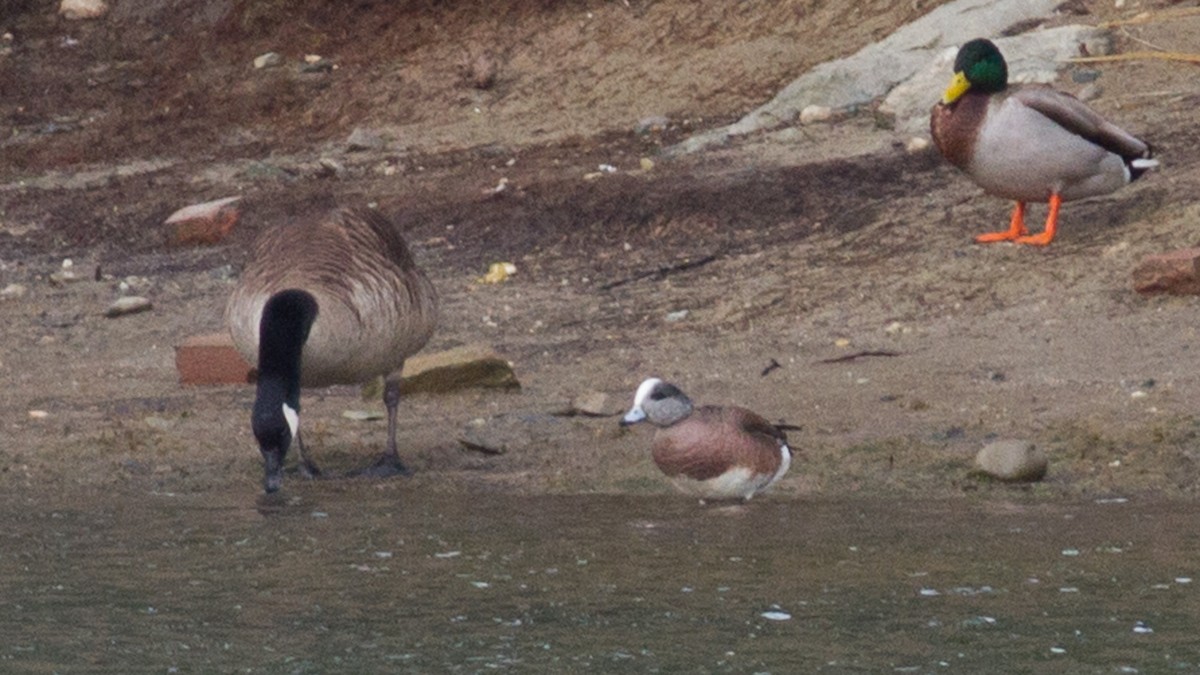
point(1051, 225)
point(1016, 228)
point(307, 468)
point(389, 463)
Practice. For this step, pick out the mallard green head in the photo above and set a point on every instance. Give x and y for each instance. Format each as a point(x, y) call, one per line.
point(979, 66)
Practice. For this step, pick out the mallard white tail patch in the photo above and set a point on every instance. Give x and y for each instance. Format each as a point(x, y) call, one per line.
point(292, 417)
point(1144, 163)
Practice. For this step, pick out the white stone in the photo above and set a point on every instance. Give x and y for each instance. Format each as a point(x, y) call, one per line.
point(12, 291)
point(916, 144)
point(129, 304)
point(268, 60)
point(82, 9)
point(815, 113)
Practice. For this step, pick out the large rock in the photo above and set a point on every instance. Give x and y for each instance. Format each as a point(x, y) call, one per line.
point(1037, 56)
point(458, 368)
point(878, 68)
point(1177, 273)
point(1012, 461)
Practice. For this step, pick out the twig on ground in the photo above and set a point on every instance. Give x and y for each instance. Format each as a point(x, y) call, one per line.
point(859, 355)
point(661, 272)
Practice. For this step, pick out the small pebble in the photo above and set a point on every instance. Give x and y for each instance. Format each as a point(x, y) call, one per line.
point(129, 304)
point(364, 139)
point(652, 123)
point(815, 113)
point(916, 144)
point(268, 60)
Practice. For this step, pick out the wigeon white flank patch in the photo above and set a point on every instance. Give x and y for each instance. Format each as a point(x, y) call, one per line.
point(738, 482)
point(292, 417)
point(741, 482)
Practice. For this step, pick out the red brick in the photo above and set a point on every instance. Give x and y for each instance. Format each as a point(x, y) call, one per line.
point(1176, 272)
point(211, 359)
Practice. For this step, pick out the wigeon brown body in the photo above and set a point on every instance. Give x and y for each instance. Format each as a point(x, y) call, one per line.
point(716, 452)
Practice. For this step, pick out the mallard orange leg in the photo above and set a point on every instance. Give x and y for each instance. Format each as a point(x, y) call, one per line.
point(1016, 228)
point(1047, 235)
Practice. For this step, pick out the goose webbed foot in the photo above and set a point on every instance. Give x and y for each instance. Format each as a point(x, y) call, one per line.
point(387, 466)
point(309, 470)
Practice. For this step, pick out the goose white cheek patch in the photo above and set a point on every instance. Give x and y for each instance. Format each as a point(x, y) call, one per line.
point(292, 417)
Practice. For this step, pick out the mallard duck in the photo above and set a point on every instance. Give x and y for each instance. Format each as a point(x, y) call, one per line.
point(718, 452)
point(334, 298)
point(1029, 143)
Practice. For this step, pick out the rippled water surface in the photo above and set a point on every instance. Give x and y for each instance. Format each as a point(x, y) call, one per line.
point(352, 578)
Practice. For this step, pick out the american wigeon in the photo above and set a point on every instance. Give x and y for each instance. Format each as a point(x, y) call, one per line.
point(1029, 143)
point(718, 452)
point(332, 299)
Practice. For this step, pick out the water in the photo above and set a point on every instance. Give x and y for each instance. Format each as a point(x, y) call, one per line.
point(352, 577)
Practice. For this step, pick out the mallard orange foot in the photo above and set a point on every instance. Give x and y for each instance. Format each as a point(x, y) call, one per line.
point(1047, 235)
point(1016, 228)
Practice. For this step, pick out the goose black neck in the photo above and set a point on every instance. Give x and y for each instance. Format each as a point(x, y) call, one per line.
point(287, 318)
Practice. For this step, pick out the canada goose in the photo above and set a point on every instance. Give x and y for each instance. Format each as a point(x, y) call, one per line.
point(1029, 143)
point(330, 299)
point(718, 452)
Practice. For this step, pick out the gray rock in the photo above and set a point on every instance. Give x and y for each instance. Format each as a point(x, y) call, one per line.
point(130, 304)
point(884, 66)
point(1031, 57)
point(364, 139)
point(1012, 461)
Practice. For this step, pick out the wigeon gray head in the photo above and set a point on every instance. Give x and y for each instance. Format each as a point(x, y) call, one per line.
point(718, 452)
